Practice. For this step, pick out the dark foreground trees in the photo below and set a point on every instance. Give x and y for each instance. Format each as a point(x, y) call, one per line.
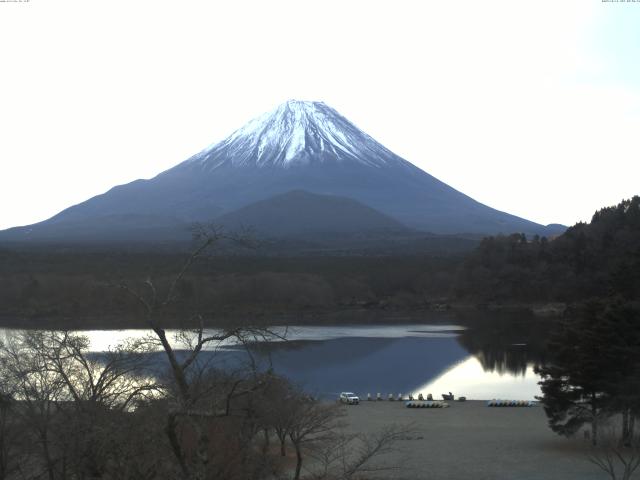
point(593, 374)
point(66, 413)
point(72, 409)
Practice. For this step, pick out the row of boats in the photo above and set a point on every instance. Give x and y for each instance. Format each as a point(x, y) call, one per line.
point(429, 402)
point(410, 397)
point(511, 403)
point(490, 403)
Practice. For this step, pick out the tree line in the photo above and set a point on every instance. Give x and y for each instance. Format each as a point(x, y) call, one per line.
point(599, 259)
point(67, 290)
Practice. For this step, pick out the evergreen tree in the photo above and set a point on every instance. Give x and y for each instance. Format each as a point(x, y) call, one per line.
point(623, 381)
point(594, 371)
point(573, 382)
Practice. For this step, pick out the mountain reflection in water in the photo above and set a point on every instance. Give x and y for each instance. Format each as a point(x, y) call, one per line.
point(363, 365)
point(478, 364)
point(487, 358)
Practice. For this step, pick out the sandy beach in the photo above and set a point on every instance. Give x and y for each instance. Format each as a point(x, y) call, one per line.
point(472, 441)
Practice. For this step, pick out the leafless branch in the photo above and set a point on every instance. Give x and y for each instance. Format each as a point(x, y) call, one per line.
point(613, 457)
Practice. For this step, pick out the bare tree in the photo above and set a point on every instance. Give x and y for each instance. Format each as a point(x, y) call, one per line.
point(312, 423)
point(112, 379)
point(188, 403)
point(101, 385)
point(349, 456)
point(277, 408)
point(10, 435)
point(39, 391)
point(69, 400)
point(618, 458)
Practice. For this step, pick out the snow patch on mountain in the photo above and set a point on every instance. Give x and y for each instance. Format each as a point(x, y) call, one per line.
point(297, 133)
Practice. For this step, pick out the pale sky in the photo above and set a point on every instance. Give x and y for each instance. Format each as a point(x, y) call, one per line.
point(531, 107)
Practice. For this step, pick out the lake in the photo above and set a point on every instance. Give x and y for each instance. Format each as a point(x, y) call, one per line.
point(397, 359)
point(478, 362)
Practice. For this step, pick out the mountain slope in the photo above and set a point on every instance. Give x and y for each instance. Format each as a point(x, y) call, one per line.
point(298, 146)
point(299, 213)
point(104, 230)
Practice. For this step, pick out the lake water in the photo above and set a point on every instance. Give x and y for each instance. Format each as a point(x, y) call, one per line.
point(396, 359)
point(413, 358)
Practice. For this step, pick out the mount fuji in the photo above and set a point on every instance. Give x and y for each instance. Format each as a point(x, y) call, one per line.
point(300, 169)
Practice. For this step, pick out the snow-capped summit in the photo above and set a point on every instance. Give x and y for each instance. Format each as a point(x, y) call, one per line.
point(296, 133)
point(340, 175)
